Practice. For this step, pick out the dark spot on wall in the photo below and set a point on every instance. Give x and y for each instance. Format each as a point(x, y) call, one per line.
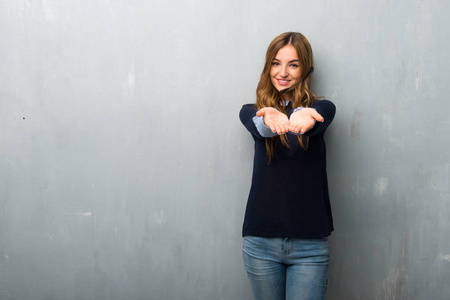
point(354, 131)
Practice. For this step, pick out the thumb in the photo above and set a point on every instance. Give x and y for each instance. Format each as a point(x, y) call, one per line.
point(317, 116)
point(261, 112)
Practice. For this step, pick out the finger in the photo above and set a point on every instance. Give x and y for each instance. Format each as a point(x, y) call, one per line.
point(261, 112)
point(317, 116)
point(279, 131)
point(278, 125)
point(291, 127)
point(273, 128)
point(307, 127)
point(282, 129)
point(269, 124)
point(294, 125)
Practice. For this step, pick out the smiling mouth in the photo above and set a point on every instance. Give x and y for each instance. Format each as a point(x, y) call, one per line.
point(283, 82)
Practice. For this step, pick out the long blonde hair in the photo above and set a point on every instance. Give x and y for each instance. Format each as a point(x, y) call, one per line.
point(268, 96)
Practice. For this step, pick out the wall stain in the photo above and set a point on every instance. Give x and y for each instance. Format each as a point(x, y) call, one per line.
point(381, 185)
point(395, 285)
point(354, 131)
point(446, 257)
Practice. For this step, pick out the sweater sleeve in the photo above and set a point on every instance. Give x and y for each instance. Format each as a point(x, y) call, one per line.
point(262, 128)
point(253, 123)
point(327, 110)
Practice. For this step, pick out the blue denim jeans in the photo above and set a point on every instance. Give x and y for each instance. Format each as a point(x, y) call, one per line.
point(286, 268)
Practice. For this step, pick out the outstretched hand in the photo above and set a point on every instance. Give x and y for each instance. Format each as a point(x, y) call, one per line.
point(303, 120)
point(274, 119)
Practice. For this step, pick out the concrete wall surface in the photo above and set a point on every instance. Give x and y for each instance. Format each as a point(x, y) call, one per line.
point(124, 169)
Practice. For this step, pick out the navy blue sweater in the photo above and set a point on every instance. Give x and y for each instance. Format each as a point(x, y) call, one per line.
point(289, 196)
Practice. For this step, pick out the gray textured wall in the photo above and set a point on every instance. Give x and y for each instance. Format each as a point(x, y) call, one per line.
point(124, 169)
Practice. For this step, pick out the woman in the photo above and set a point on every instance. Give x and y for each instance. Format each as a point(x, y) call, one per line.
point(288, 215)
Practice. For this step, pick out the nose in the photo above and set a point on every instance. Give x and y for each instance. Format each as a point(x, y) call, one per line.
point(283, 71)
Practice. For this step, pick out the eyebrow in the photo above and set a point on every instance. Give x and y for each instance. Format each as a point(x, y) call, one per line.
point(294, 60)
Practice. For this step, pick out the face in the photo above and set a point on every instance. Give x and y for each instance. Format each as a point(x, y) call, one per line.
point(285, 70)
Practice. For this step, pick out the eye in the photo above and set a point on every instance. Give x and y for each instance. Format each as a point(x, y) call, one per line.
point(275, 63)
point(294, 65)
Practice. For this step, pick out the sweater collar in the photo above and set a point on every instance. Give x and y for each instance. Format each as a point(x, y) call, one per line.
point(285, 102)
